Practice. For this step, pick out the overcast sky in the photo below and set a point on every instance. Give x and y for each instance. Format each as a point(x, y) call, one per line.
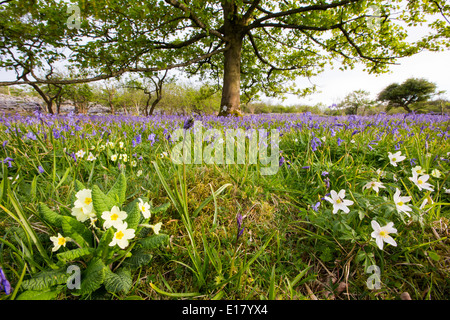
point(335, 84)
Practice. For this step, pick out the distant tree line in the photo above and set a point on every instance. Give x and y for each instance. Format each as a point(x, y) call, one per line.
point(160, 93)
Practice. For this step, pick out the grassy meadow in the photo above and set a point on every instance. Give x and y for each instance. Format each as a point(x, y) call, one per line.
point(93, 207)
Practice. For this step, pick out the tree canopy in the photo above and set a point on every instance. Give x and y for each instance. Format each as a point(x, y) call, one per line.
point(243, 46)
point(404, 95)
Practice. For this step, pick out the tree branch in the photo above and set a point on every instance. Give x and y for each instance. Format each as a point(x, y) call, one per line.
point(317, 7)
point(117, 73)
point(194, 18)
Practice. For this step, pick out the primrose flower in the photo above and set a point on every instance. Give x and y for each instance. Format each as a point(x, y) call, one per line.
point(400, 203)
point(58, 241)
point(381, 234)
point(82, 214)
point(375, 185)
point(123, 157)
point(122, 235)
point(113, 218)
point(84, 200)
point(121, 145)
point(421, 182)
point(139, 173)
point(157, 227)
point(396, 157)
point(133, 163)
point(145, 208)
point(114, 157)
point(110, 144)
point(338, 201)
point(80, 153)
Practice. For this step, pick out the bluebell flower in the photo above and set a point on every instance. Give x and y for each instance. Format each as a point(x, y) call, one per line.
point(324, 173)
point(339, 141)
point(152, 138)
point(8, 160)
point(316, 206)
point(5, 143)
point(188, 123)
point(240, 230)
point(327, 182)
point(281, 162)
point(40, 169)
point(137, 140)
point(315, 142)
point(30, 135)
point(4, 283)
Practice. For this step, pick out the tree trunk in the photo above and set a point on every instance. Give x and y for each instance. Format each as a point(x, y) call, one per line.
point(231, 92)
point(47, 100)
point(406, 107)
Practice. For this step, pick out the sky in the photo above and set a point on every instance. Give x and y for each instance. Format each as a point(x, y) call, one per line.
point(334, 85)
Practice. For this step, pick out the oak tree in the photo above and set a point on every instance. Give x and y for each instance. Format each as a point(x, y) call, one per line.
point(244, 46)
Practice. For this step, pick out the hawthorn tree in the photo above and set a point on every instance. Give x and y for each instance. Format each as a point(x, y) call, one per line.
point(245, 46)
point(406, 94)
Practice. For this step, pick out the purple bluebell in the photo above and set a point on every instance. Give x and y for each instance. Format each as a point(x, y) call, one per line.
point(316, 206)
point(240, 228)
point(4, 283)
point(281, 162)
point(30, 135)
point(324, 173)
point(8, 160)
point(137, 140)
point(315, 142)
point(188, 123)
point(339, 141)
point(327, 182)
point(40, 169)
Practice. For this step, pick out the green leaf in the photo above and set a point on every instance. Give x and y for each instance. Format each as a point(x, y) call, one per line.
point(53, 218)
point(101, 201)
point(104, 251)
point(139, 259)
point(76, 230)
point(46, 279)
point(118, 190)
point(161, 208)
point(154, 241)
point(79, 186)
point(92, 278)
point(433, 255)
point(134, 214)
point(75, 254)
point(121, 281)
point(38, 295)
